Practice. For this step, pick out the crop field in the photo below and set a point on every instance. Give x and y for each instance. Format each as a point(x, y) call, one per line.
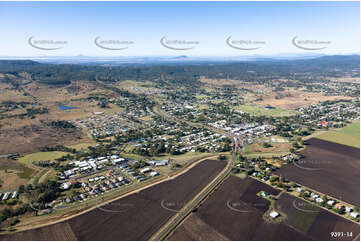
point(349, 135)
point(234, 212)
point(315, 222)
point(331, 168)
point(144, 212)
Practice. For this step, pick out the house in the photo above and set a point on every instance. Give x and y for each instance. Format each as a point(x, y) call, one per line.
point(338, 205)
point(162, 163)
point(323, 124)
point(6, 196)
point(145, 170)
point(65, 186)
point(330, 202)
point(264, 194)
point(118, 161)
point(15, 194)
point(354, 215)
point(299, 189)
point(274, 214)
point(348, 209)
point(154, 173)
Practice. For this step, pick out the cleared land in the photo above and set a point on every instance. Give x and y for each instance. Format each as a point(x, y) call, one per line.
point(316, 223)
point(41, 156)
point(295, 99)
point(137, 216)
point(30, 138)
point(349, 135)
point(330, 168)
point(234, 212)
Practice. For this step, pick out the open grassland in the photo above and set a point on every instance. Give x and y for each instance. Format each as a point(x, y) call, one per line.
point(41, 156)
point(293, 99)
point(275, 147)
point(81, 146)
point(353, 129)
point(11, 180)
point(349, 135)
point(13, 174)
point(316, 223)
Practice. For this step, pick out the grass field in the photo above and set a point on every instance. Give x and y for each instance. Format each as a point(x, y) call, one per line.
point(259, 110)
point(349, 135)
point(41, 156)
point(353, 129)
point(82, 146)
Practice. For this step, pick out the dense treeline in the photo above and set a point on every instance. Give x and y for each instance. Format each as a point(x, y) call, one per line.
point(186, 73)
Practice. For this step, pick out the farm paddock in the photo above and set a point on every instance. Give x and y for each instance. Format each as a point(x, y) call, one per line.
point(137, 216)
point(327, 167)
point(313, 221)
point(234, 211)
point(215, 220)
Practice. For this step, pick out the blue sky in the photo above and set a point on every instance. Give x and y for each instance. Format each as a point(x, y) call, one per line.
point(209, 23)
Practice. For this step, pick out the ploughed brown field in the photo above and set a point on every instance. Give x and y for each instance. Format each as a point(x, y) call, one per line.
point(135, 217)
point(330, 168)
point(315, 222)
point(235, 212)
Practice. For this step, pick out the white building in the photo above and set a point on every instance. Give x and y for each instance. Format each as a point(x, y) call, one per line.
point(353, 214)
point(154, 173)
point(274, 214)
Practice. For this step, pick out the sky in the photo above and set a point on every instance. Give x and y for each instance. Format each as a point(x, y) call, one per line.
point(256, 28)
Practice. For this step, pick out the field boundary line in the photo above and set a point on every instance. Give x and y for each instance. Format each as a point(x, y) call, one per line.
point(221, 177)
point(329, 210)
point(112, 200)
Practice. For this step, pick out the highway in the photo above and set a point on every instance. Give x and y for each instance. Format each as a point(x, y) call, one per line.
point(176, 219)
point(165, 230)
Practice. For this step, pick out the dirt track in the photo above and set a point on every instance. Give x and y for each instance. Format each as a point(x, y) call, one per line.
point(330, 168)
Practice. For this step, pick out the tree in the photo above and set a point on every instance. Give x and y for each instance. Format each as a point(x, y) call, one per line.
point(274, 178)
point(222, 157)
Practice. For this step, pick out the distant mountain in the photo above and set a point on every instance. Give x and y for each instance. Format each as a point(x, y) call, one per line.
point(188, 71)
point(151, 60)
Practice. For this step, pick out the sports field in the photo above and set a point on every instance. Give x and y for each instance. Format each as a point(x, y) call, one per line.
point(260, 110)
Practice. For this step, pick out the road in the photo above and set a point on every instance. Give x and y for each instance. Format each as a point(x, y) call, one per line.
point(187, 209)
point(176, 219)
